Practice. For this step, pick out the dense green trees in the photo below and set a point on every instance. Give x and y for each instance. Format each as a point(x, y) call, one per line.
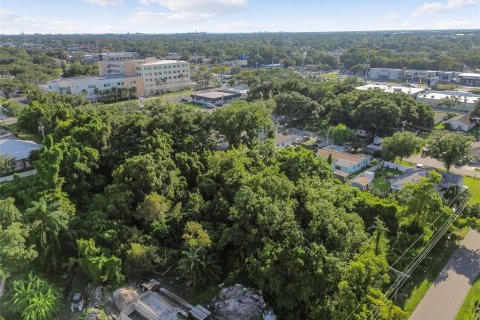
point(34, 298)
point(243, 122)
point(138, 190)
point(340, 134)
point(450, 147)
point(99, 267)
point(401, 145)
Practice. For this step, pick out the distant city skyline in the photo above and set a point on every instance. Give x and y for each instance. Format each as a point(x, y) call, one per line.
point(227, 16)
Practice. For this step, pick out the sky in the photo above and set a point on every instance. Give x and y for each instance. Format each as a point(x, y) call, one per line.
point(179, 16)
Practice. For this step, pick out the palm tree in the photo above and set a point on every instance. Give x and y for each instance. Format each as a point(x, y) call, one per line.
point(131, 92)
point(97, 93)
point(47, 222)
point(34, 298)
point(164, 81)
point(198, 268)
point(181, 76)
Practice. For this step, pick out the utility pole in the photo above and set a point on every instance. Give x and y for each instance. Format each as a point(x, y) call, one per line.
point(41, 129)
point(399, 274)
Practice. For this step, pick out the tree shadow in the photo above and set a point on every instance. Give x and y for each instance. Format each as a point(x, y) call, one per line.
point(465, 262)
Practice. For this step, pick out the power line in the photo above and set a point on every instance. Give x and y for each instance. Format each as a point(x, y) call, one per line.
point(400, 257)
point(421, 256)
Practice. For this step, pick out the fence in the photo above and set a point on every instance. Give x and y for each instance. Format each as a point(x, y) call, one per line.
point(391, 165)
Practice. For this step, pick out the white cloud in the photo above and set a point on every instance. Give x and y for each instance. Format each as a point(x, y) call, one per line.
point(164, 18)
point(105, 3)
point(458, 24)
point(13, 23)
point(432, 7)
point(391, 16)
point(409, 25)
point(186, 10)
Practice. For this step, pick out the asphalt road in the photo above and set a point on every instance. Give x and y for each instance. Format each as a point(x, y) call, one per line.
point(447, 293)
point(430, 162)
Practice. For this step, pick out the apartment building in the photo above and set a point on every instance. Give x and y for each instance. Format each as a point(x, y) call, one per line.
point(148, 76)
point(163, 75)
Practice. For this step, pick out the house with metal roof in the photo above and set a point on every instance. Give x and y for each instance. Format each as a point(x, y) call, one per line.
point(19, 151)
point(344, 164)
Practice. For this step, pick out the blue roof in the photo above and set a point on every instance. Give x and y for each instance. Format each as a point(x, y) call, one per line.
point(18, 149)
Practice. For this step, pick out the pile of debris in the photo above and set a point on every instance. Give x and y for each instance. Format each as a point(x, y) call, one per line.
point(123, 297)
point(241, 303)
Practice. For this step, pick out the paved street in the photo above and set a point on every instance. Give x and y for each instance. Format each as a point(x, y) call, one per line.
point(447, 293)
point(430, 162)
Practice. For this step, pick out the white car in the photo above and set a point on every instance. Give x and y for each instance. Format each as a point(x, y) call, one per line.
point(77, 302)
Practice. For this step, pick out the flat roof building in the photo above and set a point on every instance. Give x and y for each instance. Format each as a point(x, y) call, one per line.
point(470, 79)
point(91, 86)
point(215, 97)
point(19, 151)
point(465, 100)
point(411, 91)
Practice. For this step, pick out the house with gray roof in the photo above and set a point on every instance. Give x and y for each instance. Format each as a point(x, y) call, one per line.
point(19, 151)
point(415, 174)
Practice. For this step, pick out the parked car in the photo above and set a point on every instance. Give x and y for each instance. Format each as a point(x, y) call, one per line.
point(185, 100)
point(209, 105)
point(77, 302)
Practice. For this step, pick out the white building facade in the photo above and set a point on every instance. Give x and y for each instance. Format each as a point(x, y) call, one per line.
point(148, 76)
point(91, 86)
point(163, 76)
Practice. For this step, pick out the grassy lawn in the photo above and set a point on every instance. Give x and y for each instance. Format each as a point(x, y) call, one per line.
point(472, 183)
point(406, 163)
point(22, 134)
point(440, 126)
point(381, 185)
point(468, 308)
point(190, 105)
point(417, 286)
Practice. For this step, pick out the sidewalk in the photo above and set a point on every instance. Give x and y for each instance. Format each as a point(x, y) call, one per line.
point(446, 295)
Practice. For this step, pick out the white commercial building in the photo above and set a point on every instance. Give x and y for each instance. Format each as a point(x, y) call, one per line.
point(148, 76)
point(464, 100)
point(385, 74)
point(470, 79)
point(91, 86)
point(110, 56)
point(411, 91)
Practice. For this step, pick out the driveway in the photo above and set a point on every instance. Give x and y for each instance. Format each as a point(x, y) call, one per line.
point(447, 293)
point(430, 162)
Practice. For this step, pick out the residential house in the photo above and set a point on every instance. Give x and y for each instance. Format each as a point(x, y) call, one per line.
point(475, 148)
point(461, 123)
point(414, 175)
point(344, 164)
point(285, 140)
point(438, 117)
point(363, 181)
point(19, 151)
